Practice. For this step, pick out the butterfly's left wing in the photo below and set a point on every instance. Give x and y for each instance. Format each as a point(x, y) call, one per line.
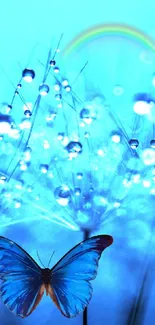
point(71, 289)
point(21, 287)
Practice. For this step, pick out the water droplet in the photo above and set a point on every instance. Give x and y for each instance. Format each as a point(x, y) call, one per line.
point(60, 136)
point(152, 143)
point(117, 204)
point(27, 154)
point(44, 89)
point(134, 143)
point(87, 115)
point(19, 184)
point(142, 103)
point(87, 134)
point(68, 88)
point(28, 75)
point(2, 179)
point(79, 176)
point(57, 87)
point(65, 82)
point(17, 203)
point(9, 108)
point(74, 149)
point(43, 168)
point(62, 195)
point(46, 144)
point(77, 191)
point(27, 113)
point(52, 63)
point(115, 137)
point(58, 96)
point(5, 124)
point(56, 70)
point(23, 165)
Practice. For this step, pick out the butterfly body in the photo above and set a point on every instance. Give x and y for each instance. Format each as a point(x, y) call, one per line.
point(67, 283)
point(46, 283)
point(46, 275)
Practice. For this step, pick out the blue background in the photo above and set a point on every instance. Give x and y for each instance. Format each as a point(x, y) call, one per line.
point(117, 187)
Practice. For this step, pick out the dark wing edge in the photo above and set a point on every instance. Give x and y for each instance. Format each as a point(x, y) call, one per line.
point(22, 249)
point(21, 288)
point(103, 238)
point(57, 286)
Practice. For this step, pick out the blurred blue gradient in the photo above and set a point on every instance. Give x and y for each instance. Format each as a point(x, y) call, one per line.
point(84, 159)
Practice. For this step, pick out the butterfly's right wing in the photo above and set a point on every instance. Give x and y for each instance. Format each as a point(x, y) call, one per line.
point(21, 289)
point(71, 289)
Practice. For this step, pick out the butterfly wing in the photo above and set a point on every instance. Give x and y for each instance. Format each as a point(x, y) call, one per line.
point(21, 287)
point(71, 289)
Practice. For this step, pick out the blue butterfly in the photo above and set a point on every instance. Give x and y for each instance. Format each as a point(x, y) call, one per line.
point(67, 283)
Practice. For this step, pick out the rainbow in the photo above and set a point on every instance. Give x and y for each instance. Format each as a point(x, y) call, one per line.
point(99, 31)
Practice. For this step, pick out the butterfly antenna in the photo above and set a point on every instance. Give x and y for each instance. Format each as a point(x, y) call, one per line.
point(40, 260)
point(50, 259)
